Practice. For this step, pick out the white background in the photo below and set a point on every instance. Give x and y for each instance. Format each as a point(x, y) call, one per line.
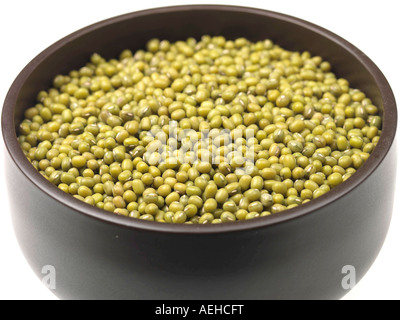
point(28, 27)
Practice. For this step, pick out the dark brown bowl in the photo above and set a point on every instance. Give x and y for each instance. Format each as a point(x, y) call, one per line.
point(297, 254)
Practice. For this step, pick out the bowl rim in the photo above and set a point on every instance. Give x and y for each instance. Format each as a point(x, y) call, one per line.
point(380, 152)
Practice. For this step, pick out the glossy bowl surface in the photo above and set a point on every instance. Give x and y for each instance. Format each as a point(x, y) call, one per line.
point(297, 254)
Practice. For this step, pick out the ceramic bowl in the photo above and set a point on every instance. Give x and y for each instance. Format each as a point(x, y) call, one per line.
point(301, 253)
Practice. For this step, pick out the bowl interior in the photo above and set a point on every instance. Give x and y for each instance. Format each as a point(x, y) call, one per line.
point(133, 30)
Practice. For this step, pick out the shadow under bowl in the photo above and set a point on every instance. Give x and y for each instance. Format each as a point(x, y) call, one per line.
point(296, 254)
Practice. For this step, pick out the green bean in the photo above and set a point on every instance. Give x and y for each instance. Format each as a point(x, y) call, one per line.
point(202, 131)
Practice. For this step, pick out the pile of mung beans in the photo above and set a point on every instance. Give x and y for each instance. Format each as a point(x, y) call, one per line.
point(200, 131)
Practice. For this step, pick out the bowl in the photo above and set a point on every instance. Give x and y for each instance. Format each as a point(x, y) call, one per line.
point(314, 251)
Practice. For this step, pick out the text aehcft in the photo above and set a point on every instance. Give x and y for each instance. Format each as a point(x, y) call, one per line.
point(205, 309)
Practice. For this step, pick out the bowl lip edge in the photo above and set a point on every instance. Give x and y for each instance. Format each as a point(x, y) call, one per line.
point(384, 145)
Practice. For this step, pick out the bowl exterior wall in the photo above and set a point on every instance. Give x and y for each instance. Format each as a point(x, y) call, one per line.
point(300, 259)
